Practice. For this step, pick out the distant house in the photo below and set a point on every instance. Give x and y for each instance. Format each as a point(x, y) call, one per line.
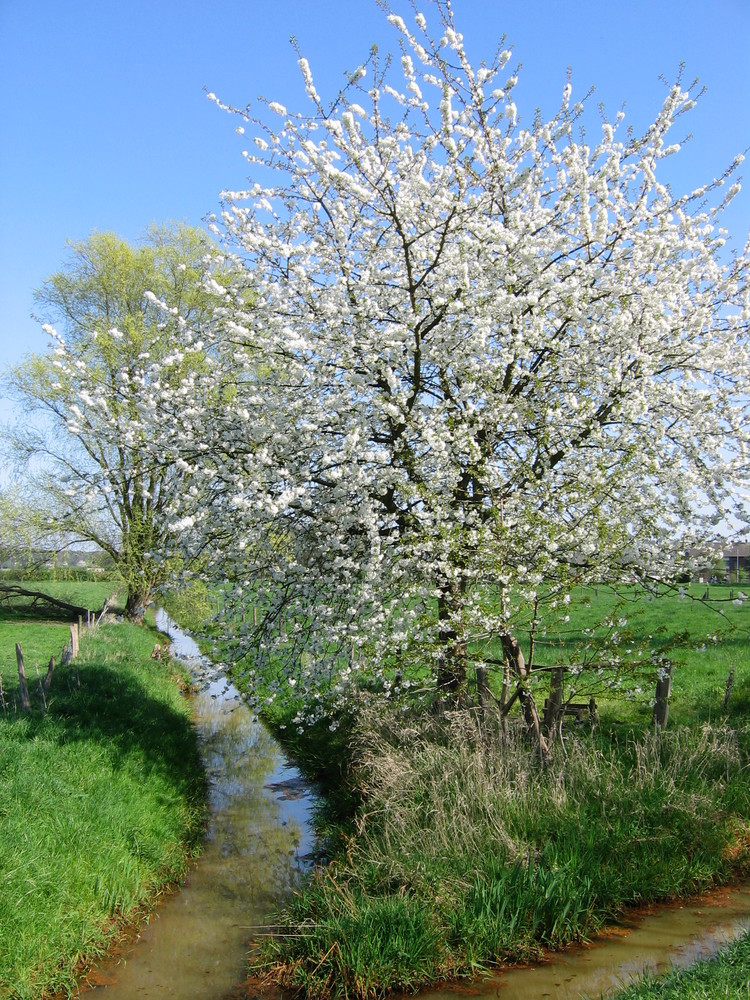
point(737, 560)
point(725, 561)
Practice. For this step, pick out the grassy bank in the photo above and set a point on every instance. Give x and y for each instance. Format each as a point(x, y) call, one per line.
point(465, 854)
point(101, 798)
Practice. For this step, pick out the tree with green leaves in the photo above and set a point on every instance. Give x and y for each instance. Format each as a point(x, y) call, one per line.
point(86, 444)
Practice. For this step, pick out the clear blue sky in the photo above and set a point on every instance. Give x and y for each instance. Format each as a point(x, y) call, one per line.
point(104, 123)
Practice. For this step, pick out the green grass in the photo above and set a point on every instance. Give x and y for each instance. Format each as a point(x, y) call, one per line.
point(727, 974)
point(101, 799)
point(485, 857)
point(702, 637)
point(489, 859)
point(86, 593)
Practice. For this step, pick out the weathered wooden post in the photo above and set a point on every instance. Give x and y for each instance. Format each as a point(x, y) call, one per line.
point(663, 691)
point(25, 702)
point(50, 672)
point(728, 689)
point(514, 656)
point(41, 689)
point(483, 685)
point(554, 702)
point(74, 633)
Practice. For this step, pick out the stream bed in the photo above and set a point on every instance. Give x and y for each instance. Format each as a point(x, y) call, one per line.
point(258, 843)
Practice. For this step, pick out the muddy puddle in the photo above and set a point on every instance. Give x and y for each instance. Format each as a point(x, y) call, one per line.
point(258, 843)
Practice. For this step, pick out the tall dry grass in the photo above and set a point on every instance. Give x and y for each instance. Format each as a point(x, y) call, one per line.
point(487, 856)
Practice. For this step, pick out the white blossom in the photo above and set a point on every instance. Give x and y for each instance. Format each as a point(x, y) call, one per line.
point(472, 362)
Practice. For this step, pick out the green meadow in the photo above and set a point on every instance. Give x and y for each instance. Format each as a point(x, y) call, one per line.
point(101, 793)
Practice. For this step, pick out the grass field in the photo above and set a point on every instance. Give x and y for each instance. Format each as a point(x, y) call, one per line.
point(40, 635)
point(464, 854)
point(101, 795)
point(703, 637)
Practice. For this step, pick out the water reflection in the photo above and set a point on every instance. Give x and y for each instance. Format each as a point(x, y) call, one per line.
point(257, 844)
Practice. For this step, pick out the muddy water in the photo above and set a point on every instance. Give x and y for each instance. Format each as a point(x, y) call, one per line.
point(663, 937)
point(257, 844)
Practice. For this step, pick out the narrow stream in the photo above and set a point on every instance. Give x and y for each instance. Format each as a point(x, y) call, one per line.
point(257, 844)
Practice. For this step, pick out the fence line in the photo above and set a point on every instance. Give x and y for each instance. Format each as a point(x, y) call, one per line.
point(69, 653)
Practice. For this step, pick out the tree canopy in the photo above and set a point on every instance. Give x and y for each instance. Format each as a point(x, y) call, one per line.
point(487, 359)
point(117, 310)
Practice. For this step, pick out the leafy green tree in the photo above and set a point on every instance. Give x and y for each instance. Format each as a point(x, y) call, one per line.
point(113, 312)
point(21, 530)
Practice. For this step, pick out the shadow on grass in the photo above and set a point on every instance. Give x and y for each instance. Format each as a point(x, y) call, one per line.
point(739, 702)
point(118, 710)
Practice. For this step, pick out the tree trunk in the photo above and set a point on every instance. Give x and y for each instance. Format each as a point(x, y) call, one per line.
point(138, 599)
point(504, 696)
point(451, 676)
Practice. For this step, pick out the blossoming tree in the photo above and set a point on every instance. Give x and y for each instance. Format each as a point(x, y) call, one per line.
point(485, 360)
point(95, 469)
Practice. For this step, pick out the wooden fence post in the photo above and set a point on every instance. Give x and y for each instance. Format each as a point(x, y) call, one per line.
point(41, 689)
point(25, 702)
point(663, 689)
point(74, 634)
point(50, 671)
point(728, 689)
point(554, 702)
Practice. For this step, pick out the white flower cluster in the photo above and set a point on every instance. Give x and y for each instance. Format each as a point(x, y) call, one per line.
point(468, 360)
